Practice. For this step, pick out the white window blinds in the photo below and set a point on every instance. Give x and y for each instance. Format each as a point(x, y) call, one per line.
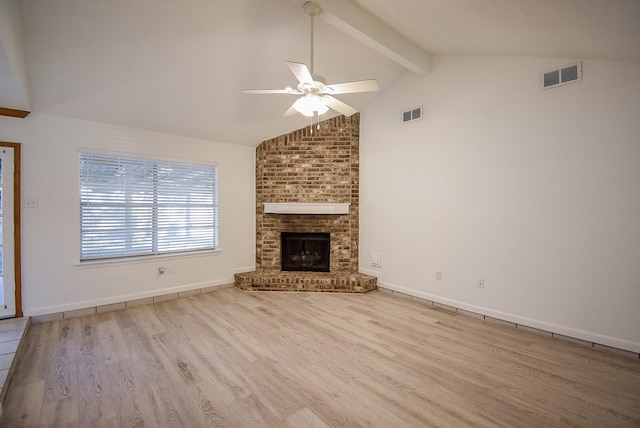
point(138, 207)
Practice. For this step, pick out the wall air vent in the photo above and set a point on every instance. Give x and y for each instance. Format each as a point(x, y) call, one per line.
point(411, 115)
point(562, 76)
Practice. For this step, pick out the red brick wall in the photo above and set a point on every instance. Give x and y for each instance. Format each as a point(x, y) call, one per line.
point(305, 167)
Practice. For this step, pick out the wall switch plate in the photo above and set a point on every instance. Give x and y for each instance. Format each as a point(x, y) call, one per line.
point(481, 283)
point(439, 276)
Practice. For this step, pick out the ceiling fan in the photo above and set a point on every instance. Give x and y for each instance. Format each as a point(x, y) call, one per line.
point(315, 95)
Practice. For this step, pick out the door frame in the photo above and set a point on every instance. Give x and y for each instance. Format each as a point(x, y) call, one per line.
point(17, 259)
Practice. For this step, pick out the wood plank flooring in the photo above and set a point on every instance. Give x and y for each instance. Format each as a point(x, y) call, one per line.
point(238, 359)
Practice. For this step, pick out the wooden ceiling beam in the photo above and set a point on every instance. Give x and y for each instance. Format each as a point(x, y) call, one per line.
point(368, 29)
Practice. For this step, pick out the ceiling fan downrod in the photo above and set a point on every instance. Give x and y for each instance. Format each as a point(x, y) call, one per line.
point(312, 10)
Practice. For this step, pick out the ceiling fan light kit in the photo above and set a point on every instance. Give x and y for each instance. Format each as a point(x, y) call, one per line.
point(310, 104)
point(315, 95)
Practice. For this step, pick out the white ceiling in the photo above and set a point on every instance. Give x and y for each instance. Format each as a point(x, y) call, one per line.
point(178, 65)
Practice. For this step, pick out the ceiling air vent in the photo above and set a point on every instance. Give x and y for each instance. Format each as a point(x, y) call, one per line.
point(562, 76)
point(411, 115)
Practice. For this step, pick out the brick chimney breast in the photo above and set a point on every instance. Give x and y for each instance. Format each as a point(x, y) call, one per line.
point(309, 168)
point(322, 167)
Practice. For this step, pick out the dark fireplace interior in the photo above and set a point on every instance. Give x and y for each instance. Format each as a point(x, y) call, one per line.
point(308, 252)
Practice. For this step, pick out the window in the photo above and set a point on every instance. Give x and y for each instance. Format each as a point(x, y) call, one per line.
point(141, 207)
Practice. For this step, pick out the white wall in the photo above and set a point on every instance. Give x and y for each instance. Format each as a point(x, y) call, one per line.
point(13, 88)
point(536, 192)
point(52, 279)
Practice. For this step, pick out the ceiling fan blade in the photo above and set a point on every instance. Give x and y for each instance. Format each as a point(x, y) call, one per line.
point(271, 91)
point(290, 112)
point(339, 106)
point(301, 72)
point(353, 87)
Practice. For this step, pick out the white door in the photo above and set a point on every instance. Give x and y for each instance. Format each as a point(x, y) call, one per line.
point(7, 279)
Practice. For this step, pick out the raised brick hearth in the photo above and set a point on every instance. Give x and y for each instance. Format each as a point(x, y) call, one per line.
point(306, 281)
point(318, 168)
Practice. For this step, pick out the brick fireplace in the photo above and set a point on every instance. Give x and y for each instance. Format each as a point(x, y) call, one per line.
point(302, 177)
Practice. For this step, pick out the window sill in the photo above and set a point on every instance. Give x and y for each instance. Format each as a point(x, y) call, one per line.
point(145, 259)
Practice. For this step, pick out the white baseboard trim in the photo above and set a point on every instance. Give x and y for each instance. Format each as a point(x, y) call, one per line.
point(555, 329)
point(46, 310)
point(243, 270)
point(370, 272)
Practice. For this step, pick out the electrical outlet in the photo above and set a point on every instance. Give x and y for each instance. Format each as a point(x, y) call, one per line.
point(31, 203)
point(481, 283)
point(376, 260)
point(161, 270)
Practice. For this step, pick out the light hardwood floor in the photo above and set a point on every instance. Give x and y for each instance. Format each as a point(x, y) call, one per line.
point(238, 359)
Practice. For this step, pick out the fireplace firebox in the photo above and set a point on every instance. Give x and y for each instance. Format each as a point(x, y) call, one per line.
point(308, 252)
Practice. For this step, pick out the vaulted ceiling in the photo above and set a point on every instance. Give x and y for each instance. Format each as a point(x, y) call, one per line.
point(178, 66)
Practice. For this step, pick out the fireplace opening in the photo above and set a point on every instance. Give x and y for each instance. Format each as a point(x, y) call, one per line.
point(309, 252)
